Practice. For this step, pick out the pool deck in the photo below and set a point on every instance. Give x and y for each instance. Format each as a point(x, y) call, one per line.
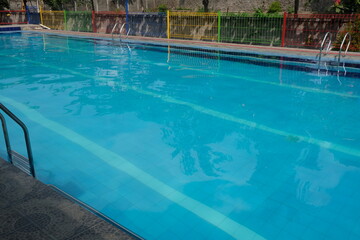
point(30, 209)
point(262, 50)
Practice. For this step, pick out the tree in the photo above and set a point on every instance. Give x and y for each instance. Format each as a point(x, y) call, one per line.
point(4, 4)
point(346, 6)
point(296, 6)
point(206, 5)
point(59, 4)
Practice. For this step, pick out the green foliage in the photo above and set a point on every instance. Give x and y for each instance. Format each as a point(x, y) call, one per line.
point(259, 12)
point(183, 9)
point(352, 28)
point(290, 10)
point(275, 7)
point(4, 4)
point(59, 4)
point(346, 6)
point(162, 8)
point(56, 4)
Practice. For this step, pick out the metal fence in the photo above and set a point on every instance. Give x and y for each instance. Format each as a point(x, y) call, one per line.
point(308, 30)
point(237, 28)
point(288, 30)
point(147, 24)
point(13, 17)
point(193, 25)
point(78, 21)
point(53, 19)
point(104, 22)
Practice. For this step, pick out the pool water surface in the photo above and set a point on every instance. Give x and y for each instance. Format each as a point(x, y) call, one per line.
point(177, 143)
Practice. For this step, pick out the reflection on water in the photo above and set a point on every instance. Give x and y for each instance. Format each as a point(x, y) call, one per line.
point(317, 175)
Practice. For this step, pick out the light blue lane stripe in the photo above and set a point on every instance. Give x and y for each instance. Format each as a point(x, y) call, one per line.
point(208, 214)
point(321, 143)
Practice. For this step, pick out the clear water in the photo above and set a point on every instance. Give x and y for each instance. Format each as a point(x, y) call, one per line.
point(173, 145)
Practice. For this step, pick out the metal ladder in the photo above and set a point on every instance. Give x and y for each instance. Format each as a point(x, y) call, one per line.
point(347, 35)
point(25, 164)
point(122, 27)
point(328, 37)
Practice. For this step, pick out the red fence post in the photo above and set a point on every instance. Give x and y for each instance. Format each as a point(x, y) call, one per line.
point(283, 33)
point(93, 21)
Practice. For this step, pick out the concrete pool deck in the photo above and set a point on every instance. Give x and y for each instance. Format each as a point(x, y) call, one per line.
point(30, 209)
point(255, 49)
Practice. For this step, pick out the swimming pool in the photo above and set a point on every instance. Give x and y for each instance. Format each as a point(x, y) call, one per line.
point(180, 144)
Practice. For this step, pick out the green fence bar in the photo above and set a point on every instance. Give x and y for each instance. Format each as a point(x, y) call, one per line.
point(65, 23)
point(219, 26)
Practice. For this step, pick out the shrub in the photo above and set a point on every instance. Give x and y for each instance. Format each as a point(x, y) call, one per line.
point(162, 8)
point(275, 7)
point(352, 28)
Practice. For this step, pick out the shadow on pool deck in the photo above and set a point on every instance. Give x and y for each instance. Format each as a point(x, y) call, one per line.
point(30, 209)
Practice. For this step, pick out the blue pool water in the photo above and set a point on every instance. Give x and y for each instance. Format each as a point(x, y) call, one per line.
point(182, 144)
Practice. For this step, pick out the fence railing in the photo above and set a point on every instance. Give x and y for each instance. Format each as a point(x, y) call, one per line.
point(148, 24)
point(104, 22)
point(78, 21)
point(193, 25)
point(307, 30)
point(13, 17)
point(235, 28)
point(287, 30)
point(53, 19)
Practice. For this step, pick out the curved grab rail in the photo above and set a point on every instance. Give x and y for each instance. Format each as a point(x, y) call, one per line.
point(26, 135)
point(6, 137)
point(327, 36)
point(121, 29)
point(342, 44)
point(113, 29)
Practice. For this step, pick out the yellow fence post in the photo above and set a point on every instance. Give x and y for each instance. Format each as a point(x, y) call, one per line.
point(168, 23)
point(41, 16)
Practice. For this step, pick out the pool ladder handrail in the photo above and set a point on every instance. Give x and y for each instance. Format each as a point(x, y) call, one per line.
point(7, 139)
point(341, 46)
point(122, 27)
point(328, 37)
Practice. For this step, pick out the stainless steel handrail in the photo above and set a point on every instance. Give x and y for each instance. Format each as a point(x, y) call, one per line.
point(6, 137)
point(26, 135)
point(113, 29)
point(328, 35)
point(121, 29)
point(342, 44)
